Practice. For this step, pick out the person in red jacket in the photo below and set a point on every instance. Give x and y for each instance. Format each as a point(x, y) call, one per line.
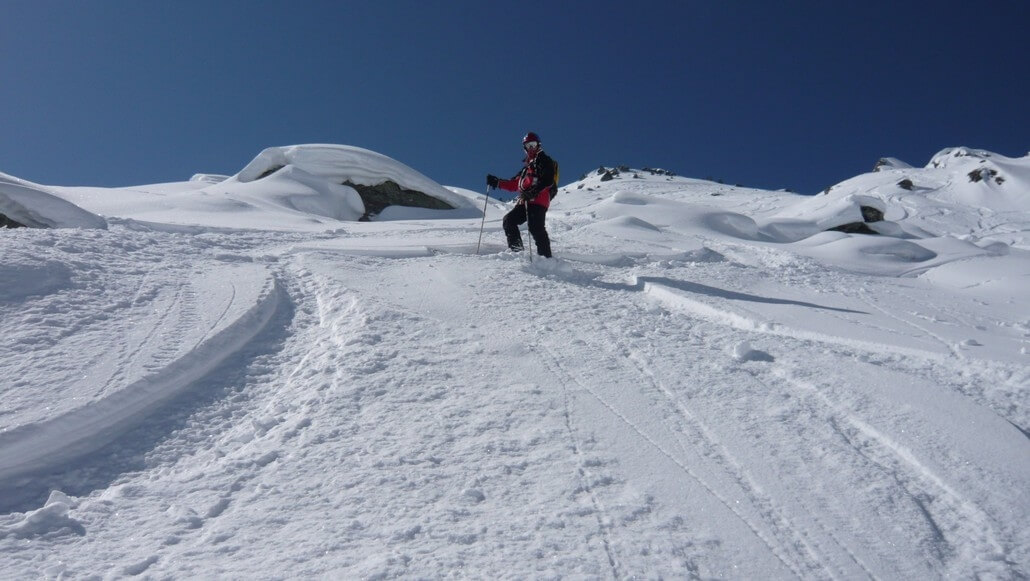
point(535, 185)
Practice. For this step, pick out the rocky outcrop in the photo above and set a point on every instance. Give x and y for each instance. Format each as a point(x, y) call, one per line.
point(609, 174)
point(986, 174)
point(869, 215)
point(6, 222)
point(379, 196)
point(388, 193)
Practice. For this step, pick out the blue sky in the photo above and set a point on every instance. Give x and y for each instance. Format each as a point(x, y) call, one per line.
point(790, 94)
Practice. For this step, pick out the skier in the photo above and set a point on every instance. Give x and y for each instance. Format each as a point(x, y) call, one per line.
point(535, 185)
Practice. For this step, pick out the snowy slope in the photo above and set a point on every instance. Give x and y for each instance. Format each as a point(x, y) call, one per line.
point(702, 384)
point(295, 188)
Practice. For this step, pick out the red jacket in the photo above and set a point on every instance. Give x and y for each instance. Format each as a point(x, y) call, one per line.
point(535, 181)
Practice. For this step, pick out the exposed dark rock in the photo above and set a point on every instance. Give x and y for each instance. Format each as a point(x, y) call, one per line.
point(882, 163)
point(984, 173)
point(389, 193)
point(871, 214)
point(906, 184)
point(608, 174)
point(6, 222)
point(658, 171)
point(854, 228)
point(270, 171)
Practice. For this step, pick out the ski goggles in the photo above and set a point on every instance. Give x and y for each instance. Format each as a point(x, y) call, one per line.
point(531, 145)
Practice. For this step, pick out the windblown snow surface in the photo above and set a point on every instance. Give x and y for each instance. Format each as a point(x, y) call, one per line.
point(230, 378)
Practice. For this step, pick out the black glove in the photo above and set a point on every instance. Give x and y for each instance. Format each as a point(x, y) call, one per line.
point(491, 181)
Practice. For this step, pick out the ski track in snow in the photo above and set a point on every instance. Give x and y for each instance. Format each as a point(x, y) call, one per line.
point(694, 444)
point(405, 413)
point(955, 524)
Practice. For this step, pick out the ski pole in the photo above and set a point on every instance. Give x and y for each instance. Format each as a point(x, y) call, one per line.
point(529, 235)
point(487, 199)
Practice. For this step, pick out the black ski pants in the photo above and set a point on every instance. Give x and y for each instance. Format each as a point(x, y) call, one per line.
point(517, 217)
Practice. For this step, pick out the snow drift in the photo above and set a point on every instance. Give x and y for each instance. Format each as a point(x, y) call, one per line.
point(34, 206)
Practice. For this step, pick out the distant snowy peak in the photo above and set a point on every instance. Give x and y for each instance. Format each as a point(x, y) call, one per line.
point(952, 156)
point(602, 174)
point(991, 180)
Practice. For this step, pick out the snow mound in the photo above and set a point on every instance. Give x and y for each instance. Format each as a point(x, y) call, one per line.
point(733, 224)
point(49, 521)
point(818, 214)
point(743, 352)
point(346, 164)
point(32, 205)
point(316, 196)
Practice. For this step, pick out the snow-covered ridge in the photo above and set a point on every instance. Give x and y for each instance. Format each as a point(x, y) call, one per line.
point(911, 218)
point(960, 155)
point(969, 183)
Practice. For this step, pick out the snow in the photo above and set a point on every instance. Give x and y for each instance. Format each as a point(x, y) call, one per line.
point(231, 377)
point(304, 193)
point(33, 205)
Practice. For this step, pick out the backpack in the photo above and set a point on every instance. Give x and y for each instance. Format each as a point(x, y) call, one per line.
point(554, 188)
